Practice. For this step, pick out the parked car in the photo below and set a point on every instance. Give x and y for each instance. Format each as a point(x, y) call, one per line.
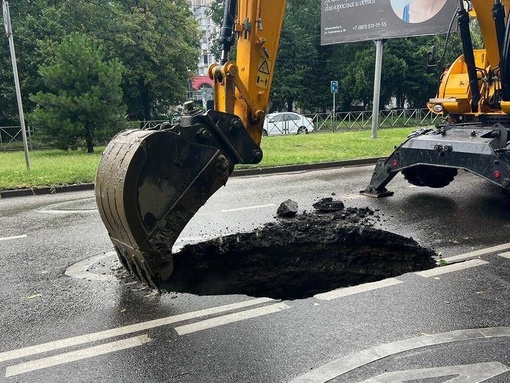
point(286, 123)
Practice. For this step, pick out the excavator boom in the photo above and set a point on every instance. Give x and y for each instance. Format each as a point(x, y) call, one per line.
point(150, 183)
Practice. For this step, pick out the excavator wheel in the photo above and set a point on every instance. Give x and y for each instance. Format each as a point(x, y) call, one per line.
point(431, 176)
point(149, 184)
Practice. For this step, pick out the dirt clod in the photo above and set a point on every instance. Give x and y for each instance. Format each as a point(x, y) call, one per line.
point(288, 208)
point(328, 204)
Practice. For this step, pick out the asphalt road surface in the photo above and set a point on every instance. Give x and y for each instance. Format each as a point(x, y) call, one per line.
point(69, 314)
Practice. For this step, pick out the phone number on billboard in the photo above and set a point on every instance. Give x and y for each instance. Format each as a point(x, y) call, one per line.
point(362, 27)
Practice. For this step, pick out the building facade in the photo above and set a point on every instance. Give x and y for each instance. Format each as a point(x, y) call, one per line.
point(201, 86)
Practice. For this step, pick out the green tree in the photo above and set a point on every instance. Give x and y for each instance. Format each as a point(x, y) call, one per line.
point(35, 27)
point(297, 53)
point(83, 96)
point(158, 43)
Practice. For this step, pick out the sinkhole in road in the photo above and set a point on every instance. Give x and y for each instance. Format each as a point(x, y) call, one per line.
point(298, 257)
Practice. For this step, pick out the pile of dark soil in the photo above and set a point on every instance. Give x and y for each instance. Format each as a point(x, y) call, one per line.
point(298, 257)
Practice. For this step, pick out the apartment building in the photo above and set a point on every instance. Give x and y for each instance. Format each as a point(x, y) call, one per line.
point(201, 86)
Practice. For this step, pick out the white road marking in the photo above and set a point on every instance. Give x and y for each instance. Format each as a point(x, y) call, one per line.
point(451, 268)
point(505, 255)
point(230, 318)
point(119, 331)
point(343, 292)
point(79, 269)
point(67, 211)
point(53, 208)
point(467, 373)
point(477, 253)
point(74, 356)
point(354, 361)
point(248, 208)
point(13, 237)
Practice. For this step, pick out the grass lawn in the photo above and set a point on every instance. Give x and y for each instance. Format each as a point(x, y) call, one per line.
point(57, 168)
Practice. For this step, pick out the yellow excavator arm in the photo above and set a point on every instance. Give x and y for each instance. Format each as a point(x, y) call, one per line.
point(150, 183)
point(243, 87)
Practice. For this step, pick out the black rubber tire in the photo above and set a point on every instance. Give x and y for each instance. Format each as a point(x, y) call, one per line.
point(264, 132)
point(302, 130)
point(431, 176)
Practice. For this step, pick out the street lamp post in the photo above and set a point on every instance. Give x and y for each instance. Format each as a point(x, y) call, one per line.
point(8, 32)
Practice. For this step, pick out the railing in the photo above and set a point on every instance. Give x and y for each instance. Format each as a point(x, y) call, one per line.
point(10, 136)
point(394, 118)
point(151, 124)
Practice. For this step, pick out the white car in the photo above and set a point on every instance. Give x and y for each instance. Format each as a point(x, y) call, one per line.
point(286, 123)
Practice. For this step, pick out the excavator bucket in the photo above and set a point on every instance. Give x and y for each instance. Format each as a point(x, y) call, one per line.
point(150, 183)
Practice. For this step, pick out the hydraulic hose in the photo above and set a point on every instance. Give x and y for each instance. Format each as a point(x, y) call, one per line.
point(469, 57)
point(498, 14)
point(505, 60)
point(227, 28)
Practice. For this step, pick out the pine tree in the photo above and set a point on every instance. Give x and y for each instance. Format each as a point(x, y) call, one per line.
point(82, 102)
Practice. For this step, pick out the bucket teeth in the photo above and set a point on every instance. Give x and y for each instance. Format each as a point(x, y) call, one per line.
point(137, 268)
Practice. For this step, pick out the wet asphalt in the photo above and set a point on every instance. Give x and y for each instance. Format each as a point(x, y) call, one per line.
point(100, 327)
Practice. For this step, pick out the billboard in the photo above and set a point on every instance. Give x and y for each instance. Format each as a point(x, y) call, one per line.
point(345, 21)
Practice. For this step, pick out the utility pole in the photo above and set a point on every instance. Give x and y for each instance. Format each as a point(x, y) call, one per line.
point(377, 86)
point(8, 32)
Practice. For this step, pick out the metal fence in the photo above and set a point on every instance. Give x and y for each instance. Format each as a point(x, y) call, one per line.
point(10, 136)
point(394, 118)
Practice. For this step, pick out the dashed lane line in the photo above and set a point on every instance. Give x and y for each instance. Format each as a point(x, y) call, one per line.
point(74, 356)
point(343, 292)
point(477, 253)
point(56, 208)
point(505, 255)
point(13, 237)
point(248, 208)
point(230, 318)
point(339, 293)
point(93, 337)
point(451, 268)
point(83, 211)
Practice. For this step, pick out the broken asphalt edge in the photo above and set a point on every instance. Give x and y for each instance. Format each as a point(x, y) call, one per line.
point(236, 173)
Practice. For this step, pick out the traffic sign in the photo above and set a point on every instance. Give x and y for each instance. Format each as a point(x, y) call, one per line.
point(334, 86)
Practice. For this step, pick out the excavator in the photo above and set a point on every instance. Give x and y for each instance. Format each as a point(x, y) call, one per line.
point(150, 183)
point(473, 101)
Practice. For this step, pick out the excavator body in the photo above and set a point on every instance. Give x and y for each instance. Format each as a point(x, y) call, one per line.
point(474, 102)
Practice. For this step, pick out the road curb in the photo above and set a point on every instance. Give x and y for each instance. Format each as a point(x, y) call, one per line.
point(236, 173)
point(45, 190)
point(304, 167)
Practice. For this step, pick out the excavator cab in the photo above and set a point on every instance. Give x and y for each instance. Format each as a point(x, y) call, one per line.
point(150, 183)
